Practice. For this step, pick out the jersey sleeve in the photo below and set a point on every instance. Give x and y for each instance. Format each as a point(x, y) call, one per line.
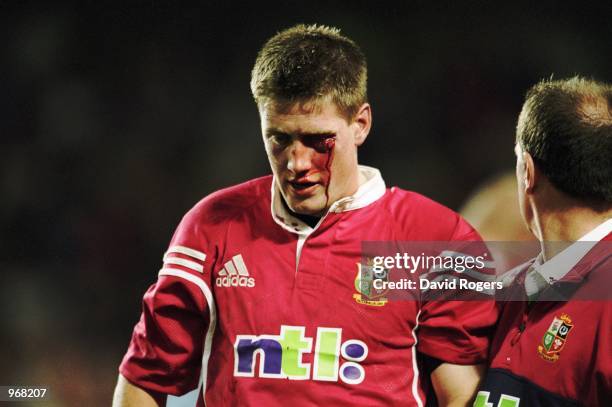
point(458, 331)
point(169, 342)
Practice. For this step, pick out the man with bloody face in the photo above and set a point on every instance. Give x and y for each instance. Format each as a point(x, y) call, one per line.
point(256, 303)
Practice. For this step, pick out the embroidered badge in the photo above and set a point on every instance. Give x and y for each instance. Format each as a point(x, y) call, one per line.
point(554, 339)
point(367, 293)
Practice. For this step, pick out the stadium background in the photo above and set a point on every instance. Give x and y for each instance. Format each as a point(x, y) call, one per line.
point(115, 119)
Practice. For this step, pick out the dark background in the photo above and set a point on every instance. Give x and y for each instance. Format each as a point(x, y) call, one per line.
point(115, 119)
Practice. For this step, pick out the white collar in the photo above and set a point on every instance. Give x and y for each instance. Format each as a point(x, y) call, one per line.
point(543, 273)
point(370, 191)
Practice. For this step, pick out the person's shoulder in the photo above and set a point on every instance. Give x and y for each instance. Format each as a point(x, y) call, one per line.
point(235, 207)
point(233, 201)
point(431, 219)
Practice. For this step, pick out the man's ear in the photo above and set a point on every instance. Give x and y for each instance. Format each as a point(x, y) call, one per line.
point(363, 123)
point(530, 173)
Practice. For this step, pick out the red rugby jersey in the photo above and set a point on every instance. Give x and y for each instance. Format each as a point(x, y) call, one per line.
point(556, 353)
point(258, 308)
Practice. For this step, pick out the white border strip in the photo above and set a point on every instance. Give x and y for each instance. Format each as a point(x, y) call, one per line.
point(186, 250)
point(415, 368)
point(212, 323)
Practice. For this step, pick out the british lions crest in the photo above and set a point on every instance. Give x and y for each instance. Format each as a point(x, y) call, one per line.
point(367, 293)
point(554, 339)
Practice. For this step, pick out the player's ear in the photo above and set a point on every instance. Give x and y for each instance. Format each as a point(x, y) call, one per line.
point(530, 173)
point(362, 123)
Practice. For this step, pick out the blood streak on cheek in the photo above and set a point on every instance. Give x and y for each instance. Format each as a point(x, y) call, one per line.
point(329, 146)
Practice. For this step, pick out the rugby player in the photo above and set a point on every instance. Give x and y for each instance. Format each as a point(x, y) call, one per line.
point(256, 303)
point(554, 346)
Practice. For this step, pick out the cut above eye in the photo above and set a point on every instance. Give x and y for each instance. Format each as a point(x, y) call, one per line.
point(321, 144)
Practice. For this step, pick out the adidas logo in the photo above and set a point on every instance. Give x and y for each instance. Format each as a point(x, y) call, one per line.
point(234, 274)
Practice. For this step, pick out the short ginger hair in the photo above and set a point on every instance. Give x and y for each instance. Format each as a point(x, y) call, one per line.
point(310, 63)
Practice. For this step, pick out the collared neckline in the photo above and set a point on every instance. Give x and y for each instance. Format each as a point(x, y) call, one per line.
point(368, 192)
point(562, 267)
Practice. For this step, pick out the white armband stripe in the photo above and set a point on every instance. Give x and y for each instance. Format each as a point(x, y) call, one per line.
point(184, 262)
point(187, 251)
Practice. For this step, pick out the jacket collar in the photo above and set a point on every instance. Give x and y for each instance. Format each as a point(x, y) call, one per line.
point(565, 265)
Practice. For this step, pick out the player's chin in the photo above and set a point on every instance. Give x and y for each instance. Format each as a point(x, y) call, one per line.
point(313, 205)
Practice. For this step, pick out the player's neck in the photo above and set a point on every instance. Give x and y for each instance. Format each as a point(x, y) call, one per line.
point(310, 220)
point(568, 226)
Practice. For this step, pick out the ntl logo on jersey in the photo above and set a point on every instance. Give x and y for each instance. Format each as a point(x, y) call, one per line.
point(234, 274)
point(280, 356)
